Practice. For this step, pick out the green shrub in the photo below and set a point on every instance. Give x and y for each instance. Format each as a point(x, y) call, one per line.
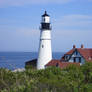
point(52, 79)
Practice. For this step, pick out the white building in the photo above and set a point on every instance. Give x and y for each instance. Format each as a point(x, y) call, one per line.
point(45, 51)
point(76, 56)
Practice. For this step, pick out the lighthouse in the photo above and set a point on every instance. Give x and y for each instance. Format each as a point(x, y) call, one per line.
point(45, 51)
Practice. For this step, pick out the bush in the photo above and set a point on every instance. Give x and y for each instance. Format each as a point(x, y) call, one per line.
point(52, 79)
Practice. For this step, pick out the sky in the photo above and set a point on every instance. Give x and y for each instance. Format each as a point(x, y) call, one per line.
point(71, 22)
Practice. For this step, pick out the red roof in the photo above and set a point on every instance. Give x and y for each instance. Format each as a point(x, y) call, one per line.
point(60, 64)
point(53, 63)
point(67, 53)
point(70, 52)
point(85, 52)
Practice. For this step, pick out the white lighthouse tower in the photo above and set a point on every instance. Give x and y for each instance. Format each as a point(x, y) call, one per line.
point(45, 52)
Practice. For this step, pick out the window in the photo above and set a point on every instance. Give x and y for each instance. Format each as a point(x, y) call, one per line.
point(66, 57)
point(79, 59)
point(44, 19)
point(42, 46)
point(57, 65)
point(76, 53)
point(74, 59)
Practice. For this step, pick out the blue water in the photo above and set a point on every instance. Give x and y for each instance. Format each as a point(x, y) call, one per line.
point(13, 60)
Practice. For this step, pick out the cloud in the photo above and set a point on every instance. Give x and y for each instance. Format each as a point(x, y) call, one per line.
point(63, 40)
point(20, 39)
point(74, 22)
point(26, 2)
point(28, 32)
point(72, 29)
point(27, 38)
point(4, 3)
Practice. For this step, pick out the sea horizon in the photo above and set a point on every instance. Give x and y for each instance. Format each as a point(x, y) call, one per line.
point(14, 60)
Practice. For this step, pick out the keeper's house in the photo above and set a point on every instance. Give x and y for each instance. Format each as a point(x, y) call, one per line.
point(77, 56)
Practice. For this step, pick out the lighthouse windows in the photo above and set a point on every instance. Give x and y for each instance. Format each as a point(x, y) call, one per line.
point(44, 19)
point(42, 46)
point(45, 26)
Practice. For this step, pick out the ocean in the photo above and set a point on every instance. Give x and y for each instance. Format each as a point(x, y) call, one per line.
point(14, 60)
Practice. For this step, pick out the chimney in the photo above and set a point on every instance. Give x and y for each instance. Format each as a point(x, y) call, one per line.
point(74, 46)
point(82, 46)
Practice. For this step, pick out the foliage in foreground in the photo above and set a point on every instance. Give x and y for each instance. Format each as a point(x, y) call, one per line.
point(52, 79)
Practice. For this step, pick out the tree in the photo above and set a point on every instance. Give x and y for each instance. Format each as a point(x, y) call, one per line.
point(87, 71)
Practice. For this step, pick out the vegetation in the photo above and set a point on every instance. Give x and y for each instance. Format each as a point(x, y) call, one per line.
point(52, 79)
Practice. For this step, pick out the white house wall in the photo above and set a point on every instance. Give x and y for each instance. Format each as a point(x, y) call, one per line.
point(78, 55)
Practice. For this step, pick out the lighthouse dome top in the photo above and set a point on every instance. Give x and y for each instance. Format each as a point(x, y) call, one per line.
point(45, 14)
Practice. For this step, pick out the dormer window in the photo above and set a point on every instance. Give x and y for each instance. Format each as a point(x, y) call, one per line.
point(66, 57)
